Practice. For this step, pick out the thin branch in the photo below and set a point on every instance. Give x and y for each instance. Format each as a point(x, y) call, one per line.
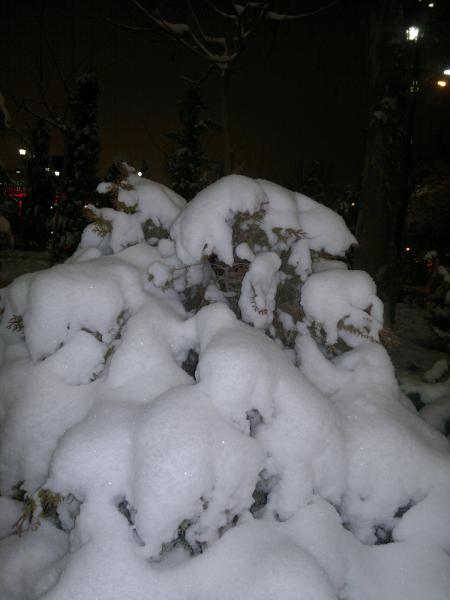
point(274, 16)
point(198, 82)
point(55, 62)
point(219, 11)
point(248, 34)
point(219, 40)
point(127, 26)
point(185, 29)
point(154, 143)
point(238, 24)
point(57, 123)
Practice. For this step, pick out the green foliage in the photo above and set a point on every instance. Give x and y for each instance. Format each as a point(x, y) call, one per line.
point(41, 505)
point(188, 168)
point(80, 164)
point(15, 323)
point(438, 302)
point(101, 226)
point(153, 231)
point(247, 228)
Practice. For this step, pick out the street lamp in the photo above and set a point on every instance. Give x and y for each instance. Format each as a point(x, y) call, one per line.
point(22, 151)
point(139, 173)
point(441, 83)
point(57, 173)
point(447, 72)
point(412, 33)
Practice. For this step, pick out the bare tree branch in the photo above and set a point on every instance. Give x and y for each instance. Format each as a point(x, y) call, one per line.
point(219, 11)
point(275, 16)
point(25, 106)
point(221, 41)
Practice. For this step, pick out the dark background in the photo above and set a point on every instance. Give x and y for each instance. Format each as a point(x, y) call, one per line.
point(297, 98)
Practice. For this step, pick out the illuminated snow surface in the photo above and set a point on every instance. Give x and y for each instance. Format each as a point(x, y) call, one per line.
point(158, 466)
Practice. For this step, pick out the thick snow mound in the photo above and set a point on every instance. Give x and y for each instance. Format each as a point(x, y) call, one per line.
point(207, 413)
point(205, 226)
point(148, 199)
point(346, 298)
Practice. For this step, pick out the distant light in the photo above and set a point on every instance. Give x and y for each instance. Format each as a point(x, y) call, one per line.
point(17, 171)
point(139, 173)
point(57, 173)
point(22, 151)
point(412, 33)
point(47, 169)
point(447, 72)
point(430, 4)
point(353, 203)
point(408, 249)
point(441, 83)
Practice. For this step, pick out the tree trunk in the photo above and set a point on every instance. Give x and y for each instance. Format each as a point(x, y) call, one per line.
point(384, 179)
point(227, 158)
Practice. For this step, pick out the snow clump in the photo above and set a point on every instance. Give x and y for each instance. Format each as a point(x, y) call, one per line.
point(196, 404)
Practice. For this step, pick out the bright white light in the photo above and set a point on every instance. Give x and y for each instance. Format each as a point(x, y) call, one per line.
point(140, 173)
point(22, 151)
point(441, 83)
point(412, 33)
point(408, 249)
point(430, 4)
point(17, 171)
point(447, 72)
point(57, 173)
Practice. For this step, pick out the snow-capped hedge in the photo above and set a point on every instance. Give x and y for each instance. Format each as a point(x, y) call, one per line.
point(196, 405)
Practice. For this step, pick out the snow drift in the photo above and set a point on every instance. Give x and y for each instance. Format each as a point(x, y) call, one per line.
point(197, 405)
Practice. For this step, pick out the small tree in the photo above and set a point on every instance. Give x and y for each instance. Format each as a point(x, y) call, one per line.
point(40, 183)
point(82, 149)
point(188, 167)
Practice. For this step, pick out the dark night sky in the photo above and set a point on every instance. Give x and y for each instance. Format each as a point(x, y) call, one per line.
point(299, 95)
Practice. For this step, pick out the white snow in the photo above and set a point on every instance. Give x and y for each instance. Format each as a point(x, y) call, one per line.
point(196, 456)
point(331, 298)
point(439, 369)
point(259, 286)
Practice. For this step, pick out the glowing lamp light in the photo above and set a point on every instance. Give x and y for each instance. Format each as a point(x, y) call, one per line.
point(408, 249)
point(412, 33)
point(22, 152)
point(57, 173)
point(430, 4)
point(447, 72)
point(353, 204)
point(139, 173)
point(441, 83)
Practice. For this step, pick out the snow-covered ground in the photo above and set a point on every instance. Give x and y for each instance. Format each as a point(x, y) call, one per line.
point(196, 405)
point(15, 263)
point(421, 366)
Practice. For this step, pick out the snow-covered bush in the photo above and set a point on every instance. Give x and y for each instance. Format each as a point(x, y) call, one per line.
point(196, 405)
point(438, 302)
